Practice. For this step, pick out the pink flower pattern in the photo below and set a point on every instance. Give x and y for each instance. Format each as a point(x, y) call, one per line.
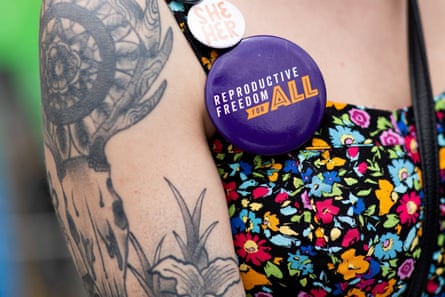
point(318, 209)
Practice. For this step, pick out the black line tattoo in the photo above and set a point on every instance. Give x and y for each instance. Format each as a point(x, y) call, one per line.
point(100, 61)
point(193, 275)
point(100, 67)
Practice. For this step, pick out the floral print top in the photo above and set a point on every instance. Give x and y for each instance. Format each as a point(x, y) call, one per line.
point(340, 216)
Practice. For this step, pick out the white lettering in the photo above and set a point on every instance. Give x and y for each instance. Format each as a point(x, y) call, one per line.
point(224, 97)
point(216, 100)
point(246, 89)
point(231, 93)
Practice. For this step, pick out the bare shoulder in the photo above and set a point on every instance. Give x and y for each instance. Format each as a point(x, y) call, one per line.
point(432, 13)
point(108, 66)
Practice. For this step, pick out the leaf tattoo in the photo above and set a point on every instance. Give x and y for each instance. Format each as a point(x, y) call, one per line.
point(101, 62)
point(193, 275)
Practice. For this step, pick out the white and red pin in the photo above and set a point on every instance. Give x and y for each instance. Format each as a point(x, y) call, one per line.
point(216, 23)
point(266, 95)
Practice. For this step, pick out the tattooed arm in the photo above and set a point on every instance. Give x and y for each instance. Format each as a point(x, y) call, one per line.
point(129, 168)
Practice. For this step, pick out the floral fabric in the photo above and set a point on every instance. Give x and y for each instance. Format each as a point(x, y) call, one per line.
point(341, 216)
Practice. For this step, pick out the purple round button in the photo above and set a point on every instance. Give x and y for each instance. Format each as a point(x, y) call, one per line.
point(266, 95)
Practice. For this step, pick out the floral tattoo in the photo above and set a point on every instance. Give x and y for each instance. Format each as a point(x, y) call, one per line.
point(100, 74)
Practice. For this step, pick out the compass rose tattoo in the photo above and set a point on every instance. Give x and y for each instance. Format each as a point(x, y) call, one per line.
point(101, 62)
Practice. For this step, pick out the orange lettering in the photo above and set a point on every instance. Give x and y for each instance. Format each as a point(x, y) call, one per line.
point(209, 33)
point(220, 31)
point(224, 12)
point(293, 92)
point(212, 12)
point(199, 13)
point(308, 91)
point(257, 111)
point(230, 26)
point(279, 98)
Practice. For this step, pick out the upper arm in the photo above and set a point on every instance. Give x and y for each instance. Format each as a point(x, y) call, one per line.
point(131, 176)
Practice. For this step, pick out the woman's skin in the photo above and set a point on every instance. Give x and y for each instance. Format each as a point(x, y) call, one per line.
point(361, 47)
point(131, 174)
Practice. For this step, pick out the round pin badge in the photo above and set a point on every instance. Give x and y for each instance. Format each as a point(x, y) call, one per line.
point(266, 96)
point(216, 23)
